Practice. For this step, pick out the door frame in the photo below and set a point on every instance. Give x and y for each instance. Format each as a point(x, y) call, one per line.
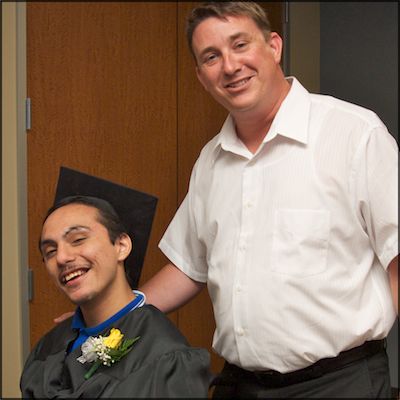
point(15, 316)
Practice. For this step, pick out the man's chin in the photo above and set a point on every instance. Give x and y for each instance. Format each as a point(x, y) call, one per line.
point(79, 299)
point(240, 106)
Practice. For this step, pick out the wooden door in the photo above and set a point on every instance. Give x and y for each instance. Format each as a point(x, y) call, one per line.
point(114, 94)
point(102, 82)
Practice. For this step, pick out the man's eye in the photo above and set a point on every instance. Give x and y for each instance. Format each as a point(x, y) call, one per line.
point(240, 45)
point(210, 58)
point(49, 253)
point(78, 240)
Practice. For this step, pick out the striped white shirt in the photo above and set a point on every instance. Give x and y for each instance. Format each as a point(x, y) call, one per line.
point(293, 241)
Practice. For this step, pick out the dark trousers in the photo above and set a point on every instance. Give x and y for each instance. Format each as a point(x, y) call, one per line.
point(365, 378)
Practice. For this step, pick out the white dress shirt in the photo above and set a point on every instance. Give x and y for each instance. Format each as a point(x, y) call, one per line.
point(294, 240)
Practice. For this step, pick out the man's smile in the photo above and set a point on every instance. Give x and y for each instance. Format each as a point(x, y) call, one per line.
point(238, 84)
point(71, 275)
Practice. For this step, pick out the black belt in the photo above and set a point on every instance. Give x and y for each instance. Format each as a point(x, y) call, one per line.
point(232, 374)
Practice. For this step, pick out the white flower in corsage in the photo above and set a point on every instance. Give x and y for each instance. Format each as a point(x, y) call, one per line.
point(105, 350)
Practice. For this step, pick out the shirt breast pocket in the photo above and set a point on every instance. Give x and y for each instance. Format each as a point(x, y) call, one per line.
point(300, 242)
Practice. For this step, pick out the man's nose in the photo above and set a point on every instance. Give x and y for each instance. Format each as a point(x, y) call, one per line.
point(231, 64)
point(65, 254)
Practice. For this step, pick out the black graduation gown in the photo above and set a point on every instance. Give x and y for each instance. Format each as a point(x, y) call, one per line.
point(160, 364)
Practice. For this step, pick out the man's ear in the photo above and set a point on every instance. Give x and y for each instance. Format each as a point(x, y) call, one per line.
point(124, 246)
point(276, 44)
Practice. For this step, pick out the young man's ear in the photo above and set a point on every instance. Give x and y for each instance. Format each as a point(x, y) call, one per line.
point(124, 246)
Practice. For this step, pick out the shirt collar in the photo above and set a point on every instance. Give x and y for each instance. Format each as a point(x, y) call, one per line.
point(291, 121)
point(227, 140)
point(79, 323)
point(292, 117)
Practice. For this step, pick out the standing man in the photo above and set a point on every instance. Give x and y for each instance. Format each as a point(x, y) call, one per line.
point(290, 220)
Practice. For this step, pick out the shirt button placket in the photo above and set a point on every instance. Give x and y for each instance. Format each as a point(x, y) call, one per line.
point(240, 298)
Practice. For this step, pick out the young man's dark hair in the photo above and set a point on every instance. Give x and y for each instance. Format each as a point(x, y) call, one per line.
point(107, 214)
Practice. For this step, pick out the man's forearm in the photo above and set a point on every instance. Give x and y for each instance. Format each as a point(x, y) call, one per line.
point(170, 289)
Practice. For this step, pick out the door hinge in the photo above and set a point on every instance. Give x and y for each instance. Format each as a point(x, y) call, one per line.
point(28, 114)
point(30, 284)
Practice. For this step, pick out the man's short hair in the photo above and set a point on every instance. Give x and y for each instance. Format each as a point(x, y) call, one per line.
point(222, 9)
point(107, 216)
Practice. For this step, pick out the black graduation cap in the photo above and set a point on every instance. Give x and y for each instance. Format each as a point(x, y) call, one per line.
point(135, 209)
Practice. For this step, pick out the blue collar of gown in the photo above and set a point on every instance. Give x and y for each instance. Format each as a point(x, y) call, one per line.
point(78, 323)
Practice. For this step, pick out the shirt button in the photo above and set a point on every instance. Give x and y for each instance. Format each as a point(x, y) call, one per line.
point(242, 247)
point(240, 332)
point(238, 289)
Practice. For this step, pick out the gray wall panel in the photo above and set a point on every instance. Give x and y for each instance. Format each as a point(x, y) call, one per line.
point(359, 63)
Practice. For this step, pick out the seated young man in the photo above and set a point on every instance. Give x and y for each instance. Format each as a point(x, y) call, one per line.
point(84, 246)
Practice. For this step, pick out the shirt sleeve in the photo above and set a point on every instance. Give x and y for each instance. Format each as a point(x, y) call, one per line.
point(180, 242)
point(178, 374)
point(377, 191)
